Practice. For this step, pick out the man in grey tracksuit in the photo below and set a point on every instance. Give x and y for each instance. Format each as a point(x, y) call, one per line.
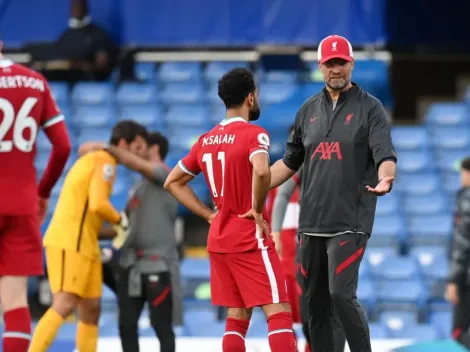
point(148, 270)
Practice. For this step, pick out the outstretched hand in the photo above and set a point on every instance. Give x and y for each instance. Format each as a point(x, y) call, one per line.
point(260, 222)
point(383, 187)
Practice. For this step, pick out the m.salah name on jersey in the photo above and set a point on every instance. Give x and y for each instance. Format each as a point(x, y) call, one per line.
point(219, 139)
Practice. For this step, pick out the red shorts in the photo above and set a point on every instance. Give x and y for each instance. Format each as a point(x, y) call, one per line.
point(247, 279)
point(20, 246)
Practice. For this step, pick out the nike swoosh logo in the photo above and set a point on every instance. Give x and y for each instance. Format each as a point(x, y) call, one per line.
point(343, 243)
point(312, 119)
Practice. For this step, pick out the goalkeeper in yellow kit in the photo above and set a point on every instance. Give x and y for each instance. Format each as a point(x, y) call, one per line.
point(71, 241)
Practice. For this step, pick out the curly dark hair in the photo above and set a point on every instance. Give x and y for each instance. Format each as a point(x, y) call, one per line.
point(156, 138)
point(127, 130)
point(235, 86)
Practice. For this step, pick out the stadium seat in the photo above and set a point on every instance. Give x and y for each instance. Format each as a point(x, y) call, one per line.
point(145, 71)
point(427, 255)
point(93, 134)
point(371, 72)
point(257, 329)
point(388, 205)
point(310, 89)
point(397, 318)
point(136, 93)
point(451, 138)
point(364, 269)
point(418, 184)
point(449, 160)
point(442, 322)
point(396, 268)
point(378, 331)
point(415, 161)
point(149, 115)
point(183, 93)
point(447, 114)
point(88, 93)
point(406, 295)
point(388, 230)
point(94, 116)
point(271, 93)
point(376, 255)
point(424, 230)
point(108, 299)
point(366, 295)
point(60, 91)
point(436, 274)
point(213, 95)
point(410, 138)
point(426, 205)
point(181, 116)
point(277, 118)
point(179, 72)
point(192, 268)
point(451, 181)
point(183, 139)
point(216, 69)
point(58, 186)
point(280, 76)
point(417, 332)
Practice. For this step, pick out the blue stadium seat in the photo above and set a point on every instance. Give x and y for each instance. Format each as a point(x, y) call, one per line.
point(415, 161)
point(183, 139)
point(136, 93)
point(60, 91)
point(281, 76)
point(218, 113)
point(108, 299)
point(183, 93)
point(417, 332)
point(58, 186)
point(447, 114)
point(410, 138)
point(451, 181)
point(426, 205)
point(93, 93)
point(388, 205)
point(149, 115)
point(397, 318)
point(188, 116)
point(94, 116)
point(449, 160)
point(213, 95)
point(406, 295)
point(364, 269)
point(429, 230)
point(423, 183)
point(371, 72)
point(216, 329)
point(378, 331)
point(388, 231)
point(93, 134)
point(427, 255)
point(376, 255)
point(271, 93)
point(451, 138)
point(366, 295)
point(216, 69)
point(195, 268)
point(179, 71)
point(277, 118)
point(442, 322)
point(257, 329)
point(436, 273)
point(145, 71)
point(396, 268)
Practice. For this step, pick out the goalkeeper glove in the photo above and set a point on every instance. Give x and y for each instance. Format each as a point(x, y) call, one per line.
point(122, 231)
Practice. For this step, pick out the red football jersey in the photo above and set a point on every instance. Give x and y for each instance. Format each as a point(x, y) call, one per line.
point(26, 105)
point(224, 156)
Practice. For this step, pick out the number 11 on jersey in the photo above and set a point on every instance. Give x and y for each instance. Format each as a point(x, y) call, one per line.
point(207, 159)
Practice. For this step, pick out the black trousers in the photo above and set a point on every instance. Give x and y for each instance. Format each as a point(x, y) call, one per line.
point(330, 268)
point(156, 292)
point(461, 318)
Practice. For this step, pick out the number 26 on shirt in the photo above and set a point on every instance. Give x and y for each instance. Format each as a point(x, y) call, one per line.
point(208, 159)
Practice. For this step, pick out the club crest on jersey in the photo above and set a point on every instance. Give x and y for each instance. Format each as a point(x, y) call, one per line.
point(263, 139)
point(108, 172)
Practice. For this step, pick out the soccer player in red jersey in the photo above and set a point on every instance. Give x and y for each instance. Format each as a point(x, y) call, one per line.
point(26, 105)
point(245, 269)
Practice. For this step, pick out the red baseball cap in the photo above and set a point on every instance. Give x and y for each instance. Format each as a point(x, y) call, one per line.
point(334, 47)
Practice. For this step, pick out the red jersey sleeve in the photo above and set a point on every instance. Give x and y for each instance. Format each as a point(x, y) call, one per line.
point(50, 113)
point(258, 141)
point(190, 163)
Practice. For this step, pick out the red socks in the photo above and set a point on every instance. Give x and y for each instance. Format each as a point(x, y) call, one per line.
point(307, 348)
point(280, 335)
point(234, 337)
point(17, 330)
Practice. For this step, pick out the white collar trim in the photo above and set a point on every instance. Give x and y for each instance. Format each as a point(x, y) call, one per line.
point(225, 122)
point(5, 63)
